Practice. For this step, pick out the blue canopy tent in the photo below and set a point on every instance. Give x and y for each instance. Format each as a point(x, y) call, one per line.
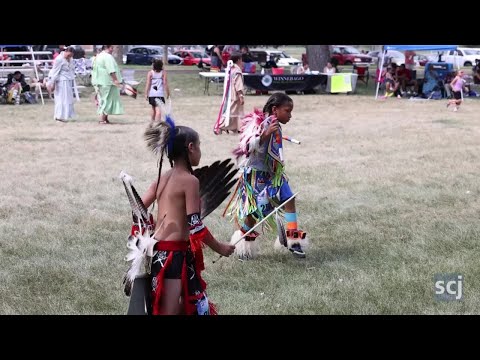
point(409, 47)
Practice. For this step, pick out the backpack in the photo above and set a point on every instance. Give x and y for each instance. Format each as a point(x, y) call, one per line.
point(435, 95)
point(29, 98)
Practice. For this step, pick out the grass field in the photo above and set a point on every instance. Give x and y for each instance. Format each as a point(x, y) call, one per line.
point(389, 195)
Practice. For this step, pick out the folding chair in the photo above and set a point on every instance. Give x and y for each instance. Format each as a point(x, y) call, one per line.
point(82, 71)
point(278, 71)
point(362, 72)
point(128, 76)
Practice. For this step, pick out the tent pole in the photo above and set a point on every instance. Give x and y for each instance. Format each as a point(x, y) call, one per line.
point(36, 72)
point(380, 73)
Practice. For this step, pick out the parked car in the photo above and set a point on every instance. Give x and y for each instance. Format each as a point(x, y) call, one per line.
point(193, 57)
point(394, 56)
point(420, 60)
point(281, 58)
point(462, 56)
point(144, 55)
point(348, 55)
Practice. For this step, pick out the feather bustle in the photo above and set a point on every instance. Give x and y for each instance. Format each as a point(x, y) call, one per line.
point(249, 129)
point(215, 184)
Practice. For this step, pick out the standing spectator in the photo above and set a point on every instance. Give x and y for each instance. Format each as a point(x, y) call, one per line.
point(216, 58)
point(106, 78)
point(410, 59)
point(230, 121)
point(247, 59)
point(227, 52)
point(246, 55)
point(61, 79)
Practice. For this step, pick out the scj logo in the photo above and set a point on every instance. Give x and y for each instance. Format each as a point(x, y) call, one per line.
point(448, 287)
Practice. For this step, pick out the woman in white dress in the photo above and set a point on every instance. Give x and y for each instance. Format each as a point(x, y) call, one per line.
point(329, 69)
point(62, 78)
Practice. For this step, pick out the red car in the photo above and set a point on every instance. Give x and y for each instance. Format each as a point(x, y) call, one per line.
point(193, 57)
point(420, 60)
point(346, 55)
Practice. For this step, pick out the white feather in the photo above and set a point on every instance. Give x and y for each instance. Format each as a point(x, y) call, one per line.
point(140, 253)
point(131, 255)
point(125, 177)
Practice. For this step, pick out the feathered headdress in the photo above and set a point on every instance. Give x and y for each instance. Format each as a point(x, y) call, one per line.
point(160, 136)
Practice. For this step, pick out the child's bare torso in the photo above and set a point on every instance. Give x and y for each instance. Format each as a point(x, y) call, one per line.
point(171, 213)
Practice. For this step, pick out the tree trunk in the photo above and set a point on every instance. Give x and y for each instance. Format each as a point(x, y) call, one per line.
point(318, 56)
point(165, 54)
point(118, 53)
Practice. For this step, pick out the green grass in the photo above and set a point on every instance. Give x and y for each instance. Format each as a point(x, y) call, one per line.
point(388, 195)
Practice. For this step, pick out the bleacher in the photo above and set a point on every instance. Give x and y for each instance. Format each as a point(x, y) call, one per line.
point(31, 66)
point(26, 66)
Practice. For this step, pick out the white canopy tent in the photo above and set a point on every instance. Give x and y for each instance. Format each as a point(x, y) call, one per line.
point(409, 47)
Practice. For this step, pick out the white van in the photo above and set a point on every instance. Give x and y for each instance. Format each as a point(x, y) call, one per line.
point(462, 56)
point(281, 58)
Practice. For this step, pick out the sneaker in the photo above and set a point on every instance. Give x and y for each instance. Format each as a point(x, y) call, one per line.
point(456, 109)
point(297, 251)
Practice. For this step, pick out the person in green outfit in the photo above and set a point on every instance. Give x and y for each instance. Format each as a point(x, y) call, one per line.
point(106, 78)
